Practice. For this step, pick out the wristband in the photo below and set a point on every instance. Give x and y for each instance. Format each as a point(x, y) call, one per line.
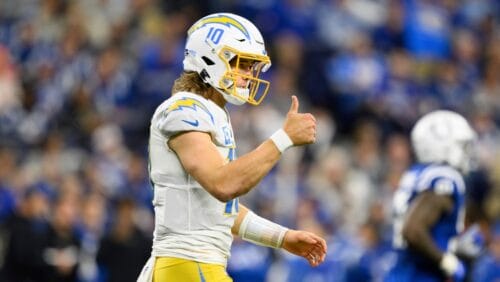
point(449, 264)
point(261, 231)
point(281, 140)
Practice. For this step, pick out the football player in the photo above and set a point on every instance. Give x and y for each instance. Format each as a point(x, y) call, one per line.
point(194, 171)
point(429, 203)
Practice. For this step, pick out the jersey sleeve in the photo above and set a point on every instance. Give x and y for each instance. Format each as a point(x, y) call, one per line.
point(185, 114)
point(442, 180)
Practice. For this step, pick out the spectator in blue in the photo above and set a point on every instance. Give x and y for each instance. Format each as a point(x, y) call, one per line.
point(390, 35)
point(7, 196)
point(249, 262)
point(355, 76)
point(343, 253)
point(375, 257)
point(487, 268)
point(427, 29)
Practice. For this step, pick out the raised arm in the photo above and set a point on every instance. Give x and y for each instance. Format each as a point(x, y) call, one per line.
point(228, 180)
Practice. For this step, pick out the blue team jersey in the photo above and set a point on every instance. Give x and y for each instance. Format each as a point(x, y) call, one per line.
point(442, 180)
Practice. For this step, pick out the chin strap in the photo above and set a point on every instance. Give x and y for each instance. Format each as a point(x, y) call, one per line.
point(235, 100)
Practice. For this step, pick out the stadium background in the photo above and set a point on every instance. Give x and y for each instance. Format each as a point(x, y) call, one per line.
point(79, 81)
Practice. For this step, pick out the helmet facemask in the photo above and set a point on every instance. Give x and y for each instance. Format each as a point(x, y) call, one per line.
point(462, 155)
point(243, 66)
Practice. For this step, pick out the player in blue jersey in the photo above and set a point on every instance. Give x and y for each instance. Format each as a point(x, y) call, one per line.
point(429, 204)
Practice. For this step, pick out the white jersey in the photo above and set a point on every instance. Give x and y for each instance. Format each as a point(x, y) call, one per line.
point(189, 222)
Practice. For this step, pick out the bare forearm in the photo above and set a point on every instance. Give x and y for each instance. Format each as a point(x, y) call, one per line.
point(243, 210)
point(421, 241)
point(238, 177)
point(224, 180)
point(424, 213)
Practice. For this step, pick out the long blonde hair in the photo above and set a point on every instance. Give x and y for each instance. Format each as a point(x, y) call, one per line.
point(191, 82)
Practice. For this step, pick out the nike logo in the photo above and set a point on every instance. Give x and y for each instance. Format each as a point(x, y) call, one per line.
point(194, 123)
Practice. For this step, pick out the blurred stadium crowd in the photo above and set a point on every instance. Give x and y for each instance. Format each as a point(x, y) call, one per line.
point(79, 81)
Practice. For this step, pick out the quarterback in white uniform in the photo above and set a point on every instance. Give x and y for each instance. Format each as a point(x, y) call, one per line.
point(195, 174)
point(202, 230)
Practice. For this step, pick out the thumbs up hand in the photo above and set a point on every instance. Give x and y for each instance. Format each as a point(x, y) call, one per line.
point(300, 127)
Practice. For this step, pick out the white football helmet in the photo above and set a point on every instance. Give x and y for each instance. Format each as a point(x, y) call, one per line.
point(218, 39)
point(444, 137)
